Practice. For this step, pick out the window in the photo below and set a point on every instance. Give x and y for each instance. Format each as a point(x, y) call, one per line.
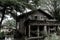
point(35, 17)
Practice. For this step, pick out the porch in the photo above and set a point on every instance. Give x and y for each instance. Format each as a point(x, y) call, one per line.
point(40, 30)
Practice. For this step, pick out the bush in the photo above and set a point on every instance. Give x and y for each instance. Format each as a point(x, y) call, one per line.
point(2, 36)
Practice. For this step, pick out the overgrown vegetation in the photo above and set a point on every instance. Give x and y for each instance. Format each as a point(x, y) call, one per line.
point(14, 6)
point(10, 23)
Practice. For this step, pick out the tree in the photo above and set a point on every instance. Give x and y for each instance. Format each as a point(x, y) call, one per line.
point(53, 7)
point(10, 23)
point(8, 6)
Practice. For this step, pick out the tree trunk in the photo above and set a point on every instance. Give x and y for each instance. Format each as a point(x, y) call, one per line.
point(3, 13)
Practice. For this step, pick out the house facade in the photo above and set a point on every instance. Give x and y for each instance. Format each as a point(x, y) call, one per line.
point(37, 24)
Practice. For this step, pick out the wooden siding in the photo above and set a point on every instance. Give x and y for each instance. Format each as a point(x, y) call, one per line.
point(40, 16)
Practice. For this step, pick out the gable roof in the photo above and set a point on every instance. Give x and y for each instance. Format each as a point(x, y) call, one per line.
point(29, 13)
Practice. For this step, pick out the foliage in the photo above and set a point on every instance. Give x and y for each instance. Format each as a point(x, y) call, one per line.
point(53, 7)
point(10, 23)
point(8, 7)
point(2, 34)
point(21, 5)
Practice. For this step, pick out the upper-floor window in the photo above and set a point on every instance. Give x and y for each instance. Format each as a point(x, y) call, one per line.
point(45, 17)
point(35, 17)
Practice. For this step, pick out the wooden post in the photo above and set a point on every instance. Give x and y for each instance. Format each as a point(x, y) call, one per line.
point(25, 34)
point(25, 30)
point(45, 29)
point(48, 30)
point(29, 30)
point(38, 31)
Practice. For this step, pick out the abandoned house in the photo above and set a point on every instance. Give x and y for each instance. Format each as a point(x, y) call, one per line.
point(37, 24)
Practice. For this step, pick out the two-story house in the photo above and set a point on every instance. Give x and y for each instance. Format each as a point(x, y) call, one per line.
point(37, 24)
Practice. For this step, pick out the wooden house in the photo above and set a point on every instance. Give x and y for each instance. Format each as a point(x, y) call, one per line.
point(37, 24)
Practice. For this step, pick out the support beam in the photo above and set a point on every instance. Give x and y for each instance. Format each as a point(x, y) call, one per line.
point(45, 29)
point(38, 31)
point(48, 30)
point(29, 30)
point(25, 30)
point(17, 25)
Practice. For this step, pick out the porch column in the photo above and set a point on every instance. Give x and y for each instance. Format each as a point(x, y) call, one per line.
point(29, 30)
point(48, 30)
point(25, 30)
point(45, 29)
point(25, 34)
point(38, 31)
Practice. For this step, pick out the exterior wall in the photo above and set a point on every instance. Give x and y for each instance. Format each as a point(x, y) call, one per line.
point(40, 16)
